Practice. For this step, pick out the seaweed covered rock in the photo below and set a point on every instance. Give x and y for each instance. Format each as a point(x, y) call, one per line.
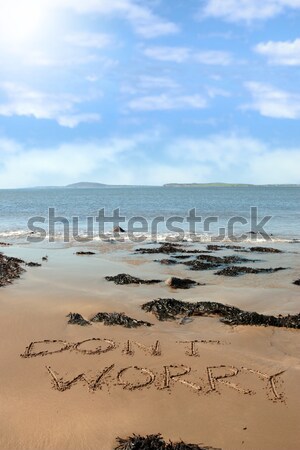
point(124, 278)
point(181, 283)
point(297, 282)
point(154, 442)
point(10, 269)
point(235, 271)
point(264, 250)
point(77, 319)
point(171, 309)
point(119, 319)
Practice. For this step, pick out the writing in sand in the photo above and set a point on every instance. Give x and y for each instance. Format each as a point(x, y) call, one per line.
point(217, 378)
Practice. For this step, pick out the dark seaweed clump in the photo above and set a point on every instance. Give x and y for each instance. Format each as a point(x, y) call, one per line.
point(77, 319)
point(124, 278)
point(297, 282)
point(206, 262)
point(10, 269)
point(182, 283)
point(235, 271)
point(154, 442)
point(264, 250)
point(166, 262)
point(119, 319)
point(5, 244)
point(33, 264)
point(171, 309)
point(166, 249)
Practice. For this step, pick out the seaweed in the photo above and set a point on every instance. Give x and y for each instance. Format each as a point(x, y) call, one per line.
point(167, 249)
point(119, 319)
point(77, 319)
point(172, 309)
point(182, 283)
point(264, 250)
point(235, 271)
point(297, 282)
point(33, 264)
point(124, 278)
point(167, 262)
point(10, 269)
point(154, 442)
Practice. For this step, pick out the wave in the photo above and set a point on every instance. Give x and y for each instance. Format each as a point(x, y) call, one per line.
point(30, 237)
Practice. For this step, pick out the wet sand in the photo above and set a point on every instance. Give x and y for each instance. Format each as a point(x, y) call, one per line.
point(236, 388)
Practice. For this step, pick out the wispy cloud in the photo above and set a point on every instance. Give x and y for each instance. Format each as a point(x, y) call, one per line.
point(23, 101)
point(247, 10)
point(183, 54)
point(166, 102)
point(285, 53)
point(143, 20)
point(272, 102)
point(172, 54)
point(89, 40)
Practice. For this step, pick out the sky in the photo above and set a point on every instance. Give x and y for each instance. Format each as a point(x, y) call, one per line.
point(149, 92)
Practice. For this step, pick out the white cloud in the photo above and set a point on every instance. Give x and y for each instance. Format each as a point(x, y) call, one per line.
point(206, 159)
point(183, 54)
point(144, 22)
point(213, 57)
point(286, 53)
point(172, 54)
point(89, 40)
point(272, 102)
point(23, 101)
point(247, 10)
point(165, 102)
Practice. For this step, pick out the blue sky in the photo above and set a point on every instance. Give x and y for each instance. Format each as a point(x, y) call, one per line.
point(149, 91)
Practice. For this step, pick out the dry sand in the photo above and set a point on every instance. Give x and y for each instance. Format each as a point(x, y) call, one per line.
point(256, 408)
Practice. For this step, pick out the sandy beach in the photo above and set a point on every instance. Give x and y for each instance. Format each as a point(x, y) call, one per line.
point(203, 382)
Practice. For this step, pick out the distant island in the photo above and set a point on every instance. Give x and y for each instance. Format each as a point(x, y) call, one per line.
point(85, 185)
point(226, 185)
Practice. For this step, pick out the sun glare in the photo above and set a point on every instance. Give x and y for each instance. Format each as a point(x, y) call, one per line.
point(20, 20)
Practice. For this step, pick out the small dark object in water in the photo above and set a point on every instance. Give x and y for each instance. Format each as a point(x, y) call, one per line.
point(45, 258)
point(154, 442)
point(234, 271)
point(264, 250)
point(77, 319)
point(119, 230)
point(124, 278)
point(33, 264)
point(10, 269)
point(181, 283)
point(171, 309)
point(85, 253)
point(5, 244)
point(297, 282)
point(182, 257)
point(119, 319)
point(233, 247)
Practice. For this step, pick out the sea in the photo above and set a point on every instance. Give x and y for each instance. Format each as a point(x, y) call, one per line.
point(266, 213)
